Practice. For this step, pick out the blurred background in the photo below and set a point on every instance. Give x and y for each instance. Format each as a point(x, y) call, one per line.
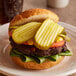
point(66, 9)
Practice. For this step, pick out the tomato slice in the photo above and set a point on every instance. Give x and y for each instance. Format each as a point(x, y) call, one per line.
point(10, 33)
point(29, 42)
point(25, 43)
point(58, 44)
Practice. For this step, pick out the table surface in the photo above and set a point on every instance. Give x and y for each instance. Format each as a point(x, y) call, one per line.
point(67, 15)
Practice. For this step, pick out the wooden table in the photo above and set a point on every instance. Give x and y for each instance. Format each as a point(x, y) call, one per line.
point(67, 15)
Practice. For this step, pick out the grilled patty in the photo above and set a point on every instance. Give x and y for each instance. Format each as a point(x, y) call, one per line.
point(32, 50)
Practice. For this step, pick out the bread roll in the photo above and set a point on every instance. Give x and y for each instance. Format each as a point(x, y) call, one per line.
point(36, 66)
point(33, 15)
point(29, 16)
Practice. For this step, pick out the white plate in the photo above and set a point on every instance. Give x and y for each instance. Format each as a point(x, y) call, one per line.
point(66, 67)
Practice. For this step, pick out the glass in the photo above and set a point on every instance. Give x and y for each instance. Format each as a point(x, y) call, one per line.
point(57, 3)
point(12, 8)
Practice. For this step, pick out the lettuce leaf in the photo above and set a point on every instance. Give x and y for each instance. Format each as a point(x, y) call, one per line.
point(66, 53)
point(38, 59)
point(54, 57)
point(14, 52)
point(26, 58)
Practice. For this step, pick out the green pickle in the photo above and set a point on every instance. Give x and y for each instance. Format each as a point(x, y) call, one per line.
point(67, 38)
point(47, 34)
point(25, 32)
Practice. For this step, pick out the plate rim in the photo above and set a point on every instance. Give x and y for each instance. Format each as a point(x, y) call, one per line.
point(64, 73)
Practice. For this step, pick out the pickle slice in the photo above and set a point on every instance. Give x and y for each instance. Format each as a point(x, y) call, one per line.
point(25, 32)
point(47, 34)
point(13, 27)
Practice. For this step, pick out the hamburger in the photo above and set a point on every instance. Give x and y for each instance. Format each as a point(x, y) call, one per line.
point(37, 40)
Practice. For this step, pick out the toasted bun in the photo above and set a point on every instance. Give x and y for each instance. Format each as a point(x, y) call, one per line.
point(29, 16)
point(34, 65)
point(36, 14)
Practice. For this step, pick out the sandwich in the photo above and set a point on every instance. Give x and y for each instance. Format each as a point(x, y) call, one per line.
point(37, 40)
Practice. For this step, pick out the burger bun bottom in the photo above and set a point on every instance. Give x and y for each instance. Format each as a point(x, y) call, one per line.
point(36, 66)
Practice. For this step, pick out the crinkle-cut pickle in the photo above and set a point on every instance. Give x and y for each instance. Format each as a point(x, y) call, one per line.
point(25, 32)
point(47, 34)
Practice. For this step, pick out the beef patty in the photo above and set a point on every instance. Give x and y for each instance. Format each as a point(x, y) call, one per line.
point(32, 50)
